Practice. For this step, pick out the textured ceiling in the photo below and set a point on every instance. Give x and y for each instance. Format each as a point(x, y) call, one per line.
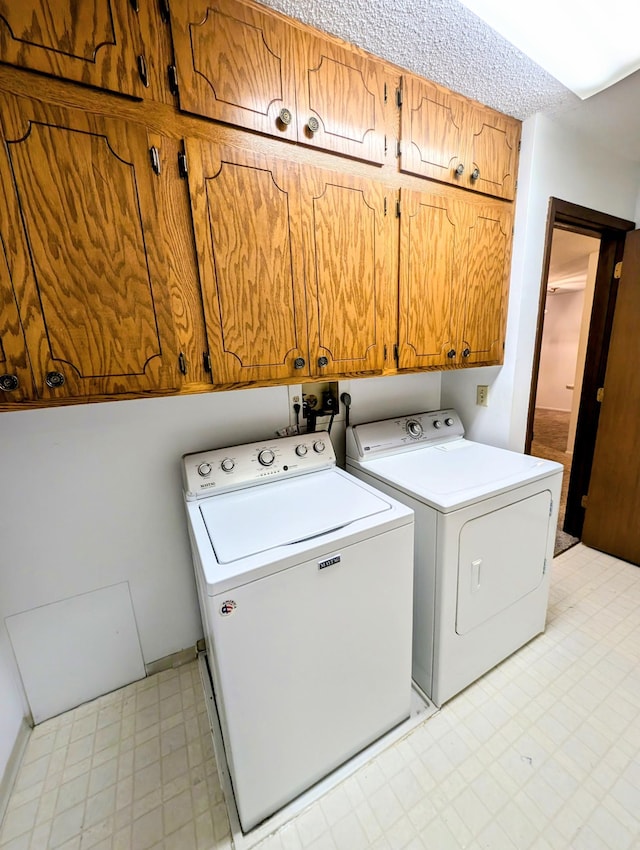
point(445, 42)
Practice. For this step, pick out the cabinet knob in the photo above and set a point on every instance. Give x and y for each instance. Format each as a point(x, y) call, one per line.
point(54, 379)
point(298, 363)
point(475, 173)
point(9, 383)
point(285, 116)
point(323, 361)
point(460, 169)
point(313, 125)
point(451, 353)
point(466, 352)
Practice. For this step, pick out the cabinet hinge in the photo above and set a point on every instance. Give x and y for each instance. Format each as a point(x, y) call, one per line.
point(398, 151)
point(172, 74)
point(600, 394)
point(583, 502)
point(165, 11)
point(396, 353)
point(399, 97)
point(519, 145)
point(617, 272)
point(385, 145)
point(183, 169)
point(398, 210)
point(142, 70)
point(206, 359)
point(135, 5)
point(154, 155)
point(385, 93)
point(384, 351)
point(385, 205)
point(182, 363)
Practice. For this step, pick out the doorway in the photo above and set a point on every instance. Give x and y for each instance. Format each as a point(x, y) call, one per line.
point(577, 299)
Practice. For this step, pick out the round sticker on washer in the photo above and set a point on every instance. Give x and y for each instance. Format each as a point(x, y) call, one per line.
point(227, 607)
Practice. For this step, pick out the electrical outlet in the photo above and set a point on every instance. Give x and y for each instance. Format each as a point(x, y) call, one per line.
point(482, 395)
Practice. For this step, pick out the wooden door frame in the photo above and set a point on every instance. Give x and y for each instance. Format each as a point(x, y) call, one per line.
point(611, 232)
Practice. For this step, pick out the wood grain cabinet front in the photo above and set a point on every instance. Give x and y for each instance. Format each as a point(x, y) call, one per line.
point(96, 42)
point(454, 267)
point(83, 272)
point(244, 65)
point(448, 138)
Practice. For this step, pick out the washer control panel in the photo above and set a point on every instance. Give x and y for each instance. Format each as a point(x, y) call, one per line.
point(403, 433)
point(232, 468)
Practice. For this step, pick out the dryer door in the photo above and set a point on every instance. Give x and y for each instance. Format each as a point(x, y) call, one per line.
point(501, 559)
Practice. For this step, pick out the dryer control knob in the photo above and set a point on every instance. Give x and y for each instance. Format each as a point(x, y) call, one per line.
point(437, 423)
point(414, 428)
point(319, 446)
point(204, 469)
point(301, 450)
point(448, 421)
point(227, 465)
point(266, 457)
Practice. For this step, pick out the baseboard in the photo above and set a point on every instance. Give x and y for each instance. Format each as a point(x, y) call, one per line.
point(168, 662)
point(13, 766)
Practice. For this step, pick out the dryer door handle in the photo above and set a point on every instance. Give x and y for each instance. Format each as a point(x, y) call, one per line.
point(475, 575)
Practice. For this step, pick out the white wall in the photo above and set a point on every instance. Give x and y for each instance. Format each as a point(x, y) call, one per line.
point(90, 495)
point(559, 350)
point(554, 162)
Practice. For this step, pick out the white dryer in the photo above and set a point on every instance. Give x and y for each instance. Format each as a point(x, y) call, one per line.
point(304, 576)
point(485, 521)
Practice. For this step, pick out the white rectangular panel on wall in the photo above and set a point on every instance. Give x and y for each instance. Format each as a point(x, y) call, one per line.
point(77, 649)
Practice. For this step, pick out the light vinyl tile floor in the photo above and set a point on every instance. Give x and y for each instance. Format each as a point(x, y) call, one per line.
point(543, 752)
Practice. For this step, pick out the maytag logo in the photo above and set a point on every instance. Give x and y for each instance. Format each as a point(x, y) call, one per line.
point(329, 562)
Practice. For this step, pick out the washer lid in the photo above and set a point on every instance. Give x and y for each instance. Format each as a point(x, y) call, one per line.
point(455, 474)
point(256, 519)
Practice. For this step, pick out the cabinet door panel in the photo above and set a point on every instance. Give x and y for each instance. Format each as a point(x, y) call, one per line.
point(429, 248)
point(344, 93)
point(234, 65)
point(88, 264)
point(248, 236)
point(485, 279)
point(96, 42)
point(431, 130)
point(349, 271)
point(493, 151)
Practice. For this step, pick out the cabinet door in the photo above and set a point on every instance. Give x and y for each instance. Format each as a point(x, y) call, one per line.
point(350, 274)
point(84, 253)
point(246, 213)
point(491, 163)
point(430, 246)
point(340, 99)
point(484, 278)
point(96, 42)
point(431, 130)
point(234, 65)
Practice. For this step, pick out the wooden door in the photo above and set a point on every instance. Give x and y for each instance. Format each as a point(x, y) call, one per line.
point(613, 502)
point(491, 160)
point(430, 246)
point(234, 65)
point(83, 252)
point(340, 99)
point(483, 283)
point(431, 128)
point(349, 271)
point(96, 42)
point(246, 213)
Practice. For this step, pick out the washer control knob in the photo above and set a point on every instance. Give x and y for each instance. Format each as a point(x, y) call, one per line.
point(301, 450)
point(266, 457)
point(414, 428)
point(319, 446)
point(448, 421)
point(437, 423)
point(204, 469)
point(227, 465)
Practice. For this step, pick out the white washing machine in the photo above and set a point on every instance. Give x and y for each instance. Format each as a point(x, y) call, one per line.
point(485, 522)
point(304, 577)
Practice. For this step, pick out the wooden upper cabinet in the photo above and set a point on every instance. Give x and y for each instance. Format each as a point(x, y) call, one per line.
point(445, 137)
point(246, 66)
point(95, 42)
point(83, 252)
point(351, 285)
point(246, 213)
point(454, 268)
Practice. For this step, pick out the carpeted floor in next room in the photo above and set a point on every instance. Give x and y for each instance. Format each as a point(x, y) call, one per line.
point(550, 433)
